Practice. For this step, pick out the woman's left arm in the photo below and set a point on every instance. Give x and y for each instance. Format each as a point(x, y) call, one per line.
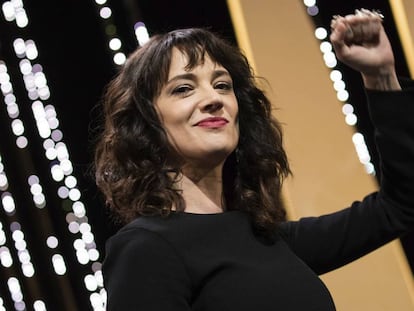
point(330, 241)
point(360, 42)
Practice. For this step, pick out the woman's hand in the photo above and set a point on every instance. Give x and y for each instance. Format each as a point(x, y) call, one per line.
point(359, 41)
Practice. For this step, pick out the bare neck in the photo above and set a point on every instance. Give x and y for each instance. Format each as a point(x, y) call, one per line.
point(202, 190)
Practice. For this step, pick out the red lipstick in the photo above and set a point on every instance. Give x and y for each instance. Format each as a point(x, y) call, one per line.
point(212, 122)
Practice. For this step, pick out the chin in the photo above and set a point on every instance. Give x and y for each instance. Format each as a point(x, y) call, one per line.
point(208, 152)
point(219, 154)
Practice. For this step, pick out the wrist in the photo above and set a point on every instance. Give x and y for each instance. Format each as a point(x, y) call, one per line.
point(385, 80)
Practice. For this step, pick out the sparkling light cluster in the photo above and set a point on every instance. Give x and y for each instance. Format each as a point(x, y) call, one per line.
point(56, 151)
point(12, 107)
point(36, 190)
point(61, 168)
point(6, 259)
point(14, 11)
point(20, 244)
point(17, 233)
point(339, 85)
point(114, 43)
point(16, 293)
point(22, 251)
point(311, 8)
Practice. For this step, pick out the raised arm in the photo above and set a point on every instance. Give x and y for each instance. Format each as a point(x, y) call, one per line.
point(333, 240)
point(360, 42)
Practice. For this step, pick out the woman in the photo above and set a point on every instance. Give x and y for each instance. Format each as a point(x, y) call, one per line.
point(191, 158)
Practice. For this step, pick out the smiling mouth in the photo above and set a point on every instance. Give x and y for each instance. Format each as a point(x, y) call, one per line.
point(212, 122)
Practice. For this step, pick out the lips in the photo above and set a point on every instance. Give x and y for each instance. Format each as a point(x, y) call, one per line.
point(213, 122)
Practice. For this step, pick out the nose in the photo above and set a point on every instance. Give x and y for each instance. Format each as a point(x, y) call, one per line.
point(212, 101)
point(212, 106)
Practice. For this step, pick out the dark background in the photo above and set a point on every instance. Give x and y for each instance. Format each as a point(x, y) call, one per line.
point(73, 51)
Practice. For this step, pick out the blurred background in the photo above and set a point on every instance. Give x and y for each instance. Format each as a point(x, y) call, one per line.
point(55, 59)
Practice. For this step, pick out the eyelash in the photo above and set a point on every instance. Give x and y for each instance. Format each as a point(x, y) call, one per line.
point(183, 90)
point(224, 85)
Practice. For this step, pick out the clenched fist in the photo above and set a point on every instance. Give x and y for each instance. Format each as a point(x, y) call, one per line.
point(359, 41)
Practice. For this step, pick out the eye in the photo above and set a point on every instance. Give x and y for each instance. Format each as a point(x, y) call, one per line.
point(222, 85)
point(182, 90)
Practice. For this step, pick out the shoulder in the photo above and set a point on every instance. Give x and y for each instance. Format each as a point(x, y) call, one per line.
point(138, 233)
point(140, 244)
point(141, 260)
point(179, 230)
point(153, 234)
point(151, 223)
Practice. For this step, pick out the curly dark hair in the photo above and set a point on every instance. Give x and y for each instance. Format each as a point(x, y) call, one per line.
point(131, 154)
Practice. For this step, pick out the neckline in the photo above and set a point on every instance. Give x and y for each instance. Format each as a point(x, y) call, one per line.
point(206, 214)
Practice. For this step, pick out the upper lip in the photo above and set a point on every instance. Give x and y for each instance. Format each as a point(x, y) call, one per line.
point(212, 119)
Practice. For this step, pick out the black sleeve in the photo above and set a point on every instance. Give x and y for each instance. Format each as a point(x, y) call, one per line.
point(333, 240)
point(143, 272)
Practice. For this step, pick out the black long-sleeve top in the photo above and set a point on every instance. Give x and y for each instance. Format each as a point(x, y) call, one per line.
point(215, 262)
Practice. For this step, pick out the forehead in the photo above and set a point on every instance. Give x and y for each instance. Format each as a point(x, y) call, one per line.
point(180, 63)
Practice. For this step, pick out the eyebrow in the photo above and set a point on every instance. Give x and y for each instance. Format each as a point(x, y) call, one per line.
point(192, 76)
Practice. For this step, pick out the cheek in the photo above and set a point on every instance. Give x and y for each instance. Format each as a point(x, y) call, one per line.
point(169, 117)
point(175, 123)
point(176, 112)
point(176, 126)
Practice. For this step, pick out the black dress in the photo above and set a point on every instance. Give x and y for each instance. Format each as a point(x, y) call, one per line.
point(215, 262)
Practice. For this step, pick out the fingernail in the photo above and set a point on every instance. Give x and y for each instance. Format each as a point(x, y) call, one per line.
point(358, 12)
point(373, 13)
point(378, 13)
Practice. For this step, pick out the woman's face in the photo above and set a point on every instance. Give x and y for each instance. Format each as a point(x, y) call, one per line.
point(198, 109)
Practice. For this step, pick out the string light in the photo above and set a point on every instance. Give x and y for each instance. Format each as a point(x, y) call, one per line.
point(59, 264)
point(12, 107)
point(37, 192)
point(56, 152)
point(16, 293)
point(2, 307)
point(114, 43)
point(141, 33)
point(339, 85)
point(22, 251)
point(46, 119)
point(52, 242)
point(6, 259)
point(17, 233)
point(39, 305)
point(14, 11)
